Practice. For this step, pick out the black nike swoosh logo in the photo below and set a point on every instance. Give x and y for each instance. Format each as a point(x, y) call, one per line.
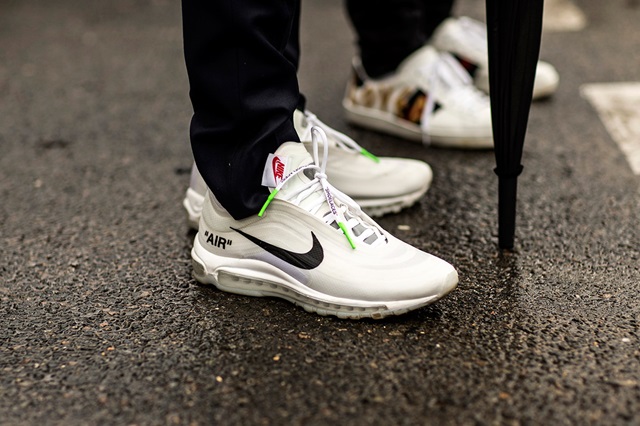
point(309, 260)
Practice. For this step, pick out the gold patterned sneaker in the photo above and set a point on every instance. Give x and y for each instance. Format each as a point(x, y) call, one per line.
point(430, 98)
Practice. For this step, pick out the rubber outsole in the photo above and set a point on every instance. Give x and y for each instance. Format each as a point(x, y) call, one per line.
point(369, 118)
point(246, 282)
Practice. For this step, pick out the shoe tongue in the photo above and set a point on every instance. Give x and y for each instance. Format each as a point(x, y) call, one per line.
point(432, 68)
point(426, 56)
point(288, 158)
point(296, 152)
point(303, 122)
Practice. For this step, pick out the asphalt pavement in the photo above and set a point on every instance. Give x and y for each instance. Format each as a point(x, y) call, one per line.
point(101, 322)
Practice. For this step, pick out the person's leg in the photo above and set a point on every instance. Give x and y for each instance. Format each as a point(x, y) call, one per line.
point(387, 32)
point(292, 52)
point(292, 49)
point(380, 185)
point(244, 89)
point(242, 62)
point(390, 30)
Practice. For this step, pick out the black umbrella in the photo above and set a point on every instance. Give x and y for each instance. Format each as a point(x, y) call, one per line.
point(514, 30)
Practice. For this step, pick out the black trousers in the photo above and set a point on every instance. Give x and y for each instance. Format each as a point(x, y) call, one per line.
point(242, 59)
point(388, 31)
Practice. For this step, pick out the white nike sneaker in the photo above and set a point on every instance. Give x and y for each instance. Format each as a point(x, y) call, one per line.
point(380, 185)
point(313, 246)
point(430, 98)
point(466, 39)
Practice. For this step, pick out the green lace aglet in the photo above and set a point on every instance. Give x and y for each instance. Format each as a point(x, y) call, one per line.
point(346, 234)
point(369, 155)
point(266, 204)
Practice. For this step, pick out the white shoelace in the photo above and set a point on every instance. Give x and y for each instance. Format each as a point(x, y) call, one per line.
point(345, 213)
point(447, 76)
point(342, 140)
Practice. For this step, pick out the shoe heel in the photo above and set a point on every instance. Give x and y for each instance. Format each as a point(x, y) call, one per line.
point(192, 204)
point(199, 270)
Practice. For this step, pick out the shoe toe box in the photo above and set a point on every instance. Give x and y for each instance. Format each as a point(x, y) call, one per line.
point(546, 81)
point(395, 273)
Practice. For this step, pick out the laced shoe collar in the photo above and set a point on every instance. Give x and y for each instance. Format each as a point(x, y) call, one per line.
point(307, 187)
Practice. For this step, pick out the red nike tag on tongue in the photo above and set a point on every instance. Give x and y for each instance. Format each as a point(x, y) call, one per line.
point(278, 169)
point(275, 170)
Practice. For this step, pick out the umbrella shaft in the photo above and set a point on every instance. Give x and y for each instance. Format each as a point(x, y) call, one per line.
point(507, 192)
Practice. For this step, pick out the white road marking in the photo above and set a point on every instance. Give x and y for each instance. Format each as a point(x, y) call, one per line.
point(563, 15)
point(618, 105)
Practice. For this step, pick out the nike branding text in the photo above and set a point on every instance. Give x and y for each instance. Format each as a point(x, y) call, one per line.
point(332, 205)
point(217, 241)
point(278, 169)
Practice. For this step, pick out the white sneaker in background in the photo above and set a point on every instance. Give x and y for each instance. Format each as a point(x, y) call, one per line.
point(430, 98)
point(466, 39)
point(313, 246)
